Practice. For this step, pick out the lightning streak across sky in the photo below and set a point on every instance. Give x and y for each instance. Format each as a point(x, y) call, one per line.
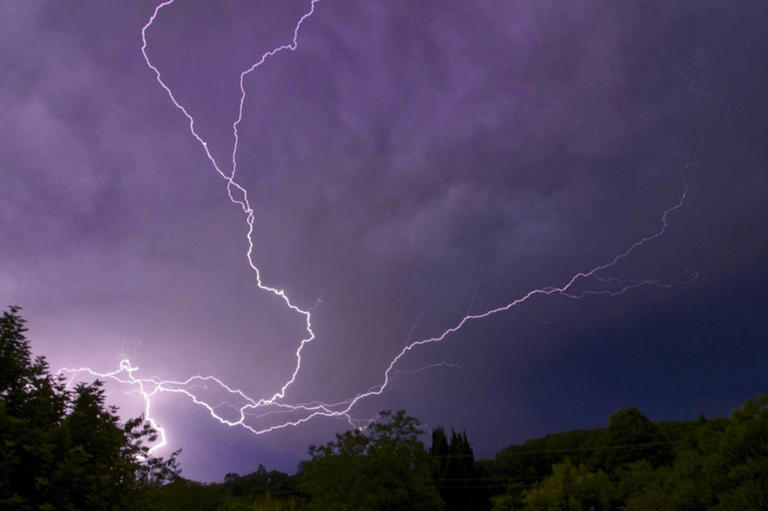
point(241, 406)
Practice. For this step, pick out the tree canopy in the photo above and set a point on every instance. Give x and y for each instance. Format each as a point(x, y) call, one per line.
point(61, 448)
point(383, 468)
point(635, 464)
point(460, 484)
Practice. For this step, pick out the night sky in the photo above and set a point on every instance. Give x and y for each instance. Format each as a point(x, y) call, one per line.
point(410, 163)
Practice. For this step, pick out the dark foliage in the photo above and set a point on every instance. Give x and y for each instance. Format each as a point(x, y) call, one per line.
point(384, 468)
point(636, 464)
point(461, 486)
point(259, 491)
point(65, 449)
point(261, 482)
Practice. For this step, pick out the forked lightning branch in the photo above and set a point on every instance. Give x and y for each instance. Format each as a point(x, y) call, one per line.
point(592, 281)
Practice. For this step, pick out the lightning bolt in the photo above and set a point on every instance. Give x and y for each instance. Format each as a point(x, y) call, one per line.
point(245, 407)
point(230, 177)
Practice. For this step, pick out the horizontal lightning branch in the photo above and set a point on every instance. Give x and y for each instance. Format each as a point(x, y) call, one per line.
point(236, 407)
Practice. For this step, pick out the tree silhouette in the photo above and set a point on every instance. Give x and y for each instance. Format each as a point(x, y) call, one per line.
point(453, 467)
point(65, 449)
point(638, 437)
point(386, 468)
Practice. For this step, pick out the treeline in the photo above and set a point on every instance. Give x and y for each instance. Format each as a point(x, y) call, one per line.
point(636, 464)
point(65, 449)
point(385, 467)
point(633, 464)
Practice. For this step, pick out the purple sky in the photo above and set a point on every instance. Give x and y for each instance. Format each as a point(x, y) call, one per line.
point(410, 162)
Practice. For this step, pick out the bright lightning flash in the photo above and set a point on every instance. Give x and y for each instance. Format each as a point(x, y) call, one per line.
point(240, 406)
